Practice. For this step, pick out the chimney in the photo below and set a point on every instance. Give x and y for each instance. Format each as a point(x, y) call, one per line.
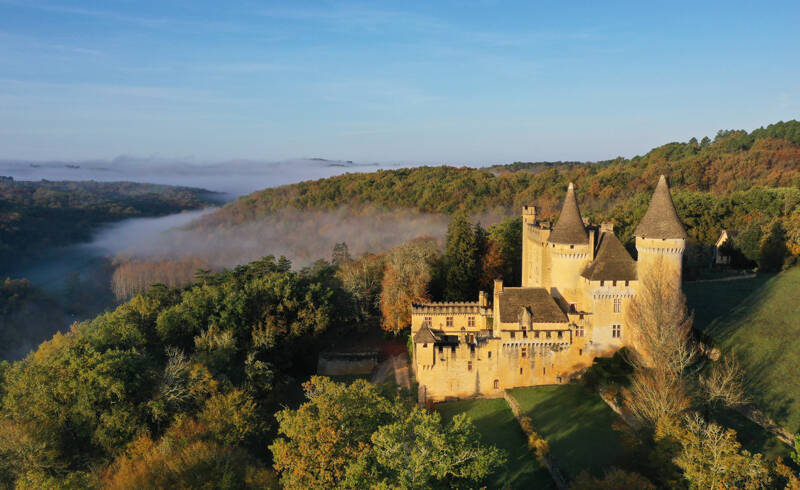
point(498, 286)
point(483, 299)
point(607, 227)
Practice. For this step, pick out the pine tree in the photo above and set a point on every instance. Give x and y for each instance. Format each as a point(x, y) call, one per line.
point(462, 260)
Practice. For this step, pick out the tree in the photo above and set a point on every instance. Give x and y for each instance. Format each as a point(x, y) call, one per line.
point(773, 251)
point(749, 242)
point(462, 260)
point(341, 254)
point(417, 451)
point(333, 428)
point(507, 235)
point(492, 266)
point(712, 458)
point(409, 270)
point(362, 278)
point(662, 348)
point(723, 384)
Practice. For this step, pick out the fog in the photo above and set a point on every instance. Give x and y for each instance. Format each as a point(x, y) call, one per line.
point(234, 177)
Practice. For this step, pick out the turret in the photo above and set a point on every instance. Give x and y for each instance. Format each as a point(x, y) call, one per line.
point(660, 237)
point(569, 249)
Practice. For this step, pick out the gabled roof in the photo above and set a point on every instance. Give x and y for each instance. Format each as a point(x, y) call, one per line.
point(538, 300)
point(424, 335)
point(661, 220)
point(569, 228)
point(612, 263)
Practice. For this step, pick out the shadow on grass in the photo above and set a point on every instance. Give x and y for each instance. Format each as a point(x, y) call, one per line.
point(497, 426)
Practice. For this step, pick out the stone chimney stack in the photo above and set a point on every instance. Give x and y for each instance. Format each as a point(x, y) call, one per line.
point(607, 227)
point(483, 299)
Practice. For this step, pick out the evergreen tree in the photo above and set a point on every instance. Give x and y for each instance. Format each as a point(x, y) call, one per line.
point(462, 260)
point(773, 248)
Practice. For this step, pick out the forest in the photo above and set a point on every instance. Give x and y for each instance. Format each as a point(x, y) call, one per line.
point(735, 181)
point(35, 216)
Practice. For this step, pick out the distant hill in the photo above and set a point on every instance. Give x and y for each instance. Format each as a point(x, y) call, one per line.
point(35, 216)
point(737, 179)
point(762, 331)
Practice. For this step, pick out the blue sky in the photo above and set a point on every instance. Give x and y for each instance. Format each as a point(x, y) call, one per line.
point(434, 82)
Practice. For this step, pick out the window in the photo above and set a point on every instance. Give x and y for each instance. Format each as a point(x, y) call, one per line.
point(617, 305)
point(427, 319)
point(424, 345)
point(544, 370)
point(524, 352)
point(512, 334)
point(520, 370)
point(626, 283)
point(616, 331)
point(579, 331)
point(614, 283)
point(470, 321)
point(547, 334)
point(490, 354)
point(448, 321)
point(536, 334)
point(602, 283)
point(441, 349)
point(580, 352)
point(453, 349)
point(524, 334)
point(560, 335)
point(469, 366)
point(497, 384)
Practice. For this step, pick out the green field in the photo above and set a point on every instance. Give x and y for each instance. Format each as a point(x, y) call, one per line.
point(498, 427)
point(577, 424)
point(711, 300)
point(763, 332)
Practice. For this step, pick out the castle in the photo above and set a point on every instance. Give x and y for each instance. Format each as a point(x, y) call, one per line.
point(577, 280)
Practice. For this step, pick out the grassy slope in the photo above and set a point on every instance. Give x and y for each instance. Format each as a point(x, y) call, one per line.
point(763, 331)
point(711, 300)
point(497, 426)
point(578, 426)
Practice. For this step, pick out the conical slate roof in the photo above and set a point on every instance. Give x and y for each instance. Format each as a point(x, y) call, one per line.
point(661, 220)
point(569, 228)
point(612, 263)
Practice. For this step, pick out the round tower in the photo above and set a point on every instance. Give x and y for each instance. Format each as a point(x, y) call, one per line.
point(660, 237)
point(569, 250)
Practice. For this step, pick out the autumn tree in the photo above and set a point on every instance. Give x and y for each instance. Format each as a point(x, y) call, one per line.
point(662, 348)
point(773, 251)
point(723, 384)
point(332, 429)
point(362, 278)
point(418, 451)
point(507, 236)
point(409, 269)
point(711, 458)
point(350, 436)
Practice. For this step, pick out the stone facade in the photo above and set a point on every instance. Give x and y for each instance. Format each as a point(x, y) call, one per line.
point(577, 280)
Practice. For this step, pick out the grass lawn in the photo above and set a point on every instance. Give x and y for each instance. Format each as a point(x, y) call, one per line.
point(577, 424)
point(763, 331)
point(498, 427)
point(711, 300)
